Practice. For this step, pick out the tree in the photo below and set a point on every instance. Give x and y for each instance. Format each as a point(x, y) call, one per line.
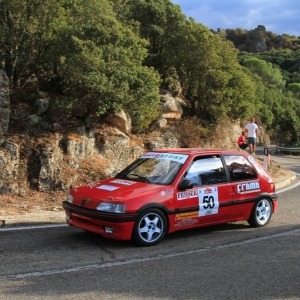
point(79, 49)
point(25, 33)
point(210, 73)
point(288, 61)
point(245, 91)
point(269, 74)
point(287, 122)
point(159, 20)
point(103, 67)
point(295, 89)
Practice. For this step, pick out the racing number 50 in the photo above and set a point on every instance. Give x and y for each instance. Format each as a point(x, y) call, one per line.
point(208, 202)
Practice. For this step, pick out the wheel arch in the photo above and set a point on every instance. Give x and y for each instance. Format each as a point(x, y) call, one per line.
point(160, 206)
point(265, 195)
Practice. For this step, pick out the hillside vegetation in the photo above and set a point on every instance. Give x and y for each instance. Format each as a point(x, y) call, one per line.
point(99, 56)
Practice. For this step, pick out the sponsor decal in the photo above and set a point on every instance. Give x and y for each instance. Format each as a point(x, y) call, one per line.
point(208, 201)
point(208, 191)
point(92, 185)
point(251, 159)
point(186, 215)
point(162, 193)
point(181, 158)
point(186, 219)
point(122, 181)
point(250, 187)
point(187, 195)
point(187, 222)
point(107, 187)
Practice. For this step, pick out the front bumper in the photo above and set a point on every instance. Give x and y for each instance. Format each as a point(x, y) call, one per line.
point(97, 221)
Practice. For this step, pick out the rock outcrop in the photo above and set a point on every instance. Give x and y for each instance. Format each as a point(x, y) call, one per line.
point(258, 41)
point(4, 104)
point(11, 180)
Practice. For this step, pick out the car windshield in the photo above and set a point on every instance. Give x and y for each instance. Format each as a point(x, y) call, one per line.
point(153, 167)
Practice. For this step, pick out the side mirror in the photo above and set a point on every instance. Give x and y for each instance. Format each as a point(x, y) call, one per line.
point(185, 184)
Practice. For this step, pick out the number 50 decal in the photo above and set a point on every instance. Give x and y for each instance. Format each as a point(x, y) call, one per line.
point(208, 201)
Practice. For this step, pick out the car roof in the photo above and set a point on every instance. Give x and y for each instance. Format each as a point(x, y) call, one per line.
point(199, 151)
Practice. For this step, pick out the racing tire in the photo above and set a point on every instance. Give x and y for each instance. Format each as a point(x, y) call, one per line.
point(261, 213)
point(150, 227)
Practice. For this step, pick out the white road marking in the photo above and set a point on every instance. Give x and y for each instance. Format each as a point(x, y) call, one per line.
point(33, 227)
point(141, 260)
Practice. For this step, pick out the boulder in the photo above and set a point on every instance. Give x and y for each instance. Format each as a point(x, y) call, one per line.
point(159, 124)
point(42, 105)
point(121, 120)
point(170, 107)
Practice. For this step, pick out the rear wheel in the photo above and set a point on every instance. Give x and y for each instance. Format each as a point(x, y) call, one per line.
point(150, 227)
point(261, 213)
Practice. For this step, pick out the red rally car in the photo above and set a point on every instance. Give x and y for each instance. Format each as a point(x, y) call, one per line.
point(174, 189)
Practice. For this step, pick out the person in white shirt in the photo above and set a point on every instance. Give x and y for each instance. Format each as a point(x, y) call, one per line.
point(251, 128)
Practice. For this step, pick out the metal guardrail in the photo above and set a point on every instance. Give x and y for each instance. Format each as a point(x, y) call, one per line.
point(287, 149)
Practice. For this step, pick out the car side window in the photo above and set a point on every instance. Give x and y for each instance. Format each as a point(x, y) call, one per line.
point(206, 170)
point(239, 168)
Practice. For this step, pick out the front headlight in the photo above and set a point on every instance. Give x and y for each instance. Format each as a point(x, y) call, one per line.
point(70, 198)
point(110, 207)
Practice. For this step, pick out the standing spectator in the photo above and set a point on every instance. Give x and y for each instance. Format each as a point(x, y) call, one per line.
point(251, 129)
point(242, 141)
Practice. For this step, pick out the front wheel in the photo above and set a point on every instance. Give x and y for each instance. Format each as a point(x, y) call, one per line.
point(150, 227)
point(261, 213)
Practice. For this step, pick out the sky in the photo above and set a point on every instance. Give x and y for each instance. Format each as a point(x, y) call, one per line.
point(278, 16)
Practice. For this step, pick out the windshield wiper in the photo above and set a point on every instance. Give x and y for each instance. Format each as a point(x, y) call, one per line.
point(141, 178)
point(120, 175)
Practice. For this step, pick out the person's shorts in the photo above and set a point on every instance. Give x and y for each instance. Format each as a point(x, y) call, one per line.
point(251, 140)
point(243, 146)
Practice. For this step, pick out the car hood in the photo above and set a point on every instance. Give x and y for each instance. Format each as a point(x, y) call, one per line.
point(109, 190)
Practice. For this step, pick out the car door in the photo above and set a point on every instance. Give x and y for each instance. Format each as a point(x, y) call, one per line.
point(209, 200)
point(245, 185)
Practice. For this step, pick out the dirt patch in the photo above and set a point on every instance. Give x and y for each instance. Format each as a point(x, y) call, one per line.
point(32, 202)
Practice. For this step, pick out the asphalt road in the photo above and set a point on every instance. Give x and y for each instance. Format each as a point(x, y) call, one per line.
point(288, 162)
point(231, 261)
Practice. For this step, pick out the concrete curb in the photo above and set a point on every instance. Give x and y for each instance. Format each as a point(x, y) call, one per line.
point(59, 217)
point(285, 182)
point(44, 217)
